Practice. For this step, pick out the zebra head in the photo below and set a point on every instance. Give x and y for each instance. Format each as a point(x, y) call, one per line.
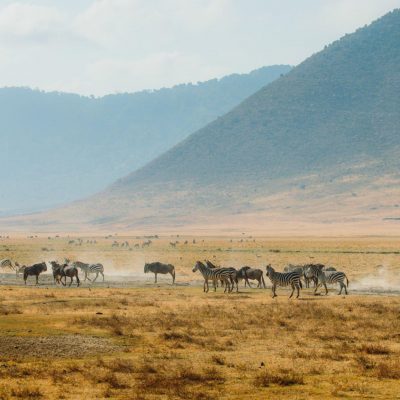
point(146, 268)
point(269, 269)
point(197, 266)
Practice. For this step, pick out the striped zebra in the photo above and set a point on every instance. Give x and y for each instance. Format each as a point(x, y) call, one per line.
point(311, 272)
point(284, 279)
point(6, 263)
point(213, 274)
point(332, 277)
point(90, 269)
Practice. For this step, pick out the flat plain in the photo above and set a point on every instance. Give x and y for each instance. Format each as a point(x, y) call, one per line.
point(128, 338)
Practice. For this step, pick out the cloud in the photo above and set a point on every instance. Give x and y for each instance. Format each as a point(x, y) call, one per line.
point(102, 46)
point(28, 22)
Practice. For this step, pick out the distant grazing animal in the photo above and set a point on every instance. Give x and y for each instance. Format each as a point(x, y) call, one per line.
point(284, 279)
point(247, 273)
point(146, 244)
point(89, 269)
point(35, 269)
point(64, 271)
point(214, 274)
point(325, 277)
point(172, 244)
point(160, 268)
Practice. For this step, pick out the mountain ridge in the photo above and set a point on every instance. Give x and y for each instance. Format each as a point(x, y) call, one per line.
point(317, 148)
point(65, 146)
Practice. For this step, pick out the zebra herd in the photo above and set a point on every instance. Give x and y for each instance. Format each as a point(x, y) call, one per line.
point(291, 276)
point(60, 271)
point(228, 277)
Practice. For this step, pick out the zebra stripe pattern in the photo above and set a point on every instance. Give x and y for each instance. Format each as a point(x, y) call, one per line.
point(6, 263)
point(332, 277)
point(284, 279)
point(90, 269)
point(227, 275)
point(311, 272)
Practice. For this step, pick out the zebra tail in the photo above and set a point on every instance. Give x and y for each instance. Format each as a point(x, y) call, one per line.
point(347, 279)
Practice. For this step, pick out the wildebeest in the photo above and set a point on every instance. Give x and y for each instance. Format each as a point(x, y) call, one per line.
point(35, 269)
point(64, 271)
point(247, 273)
point(160, 268)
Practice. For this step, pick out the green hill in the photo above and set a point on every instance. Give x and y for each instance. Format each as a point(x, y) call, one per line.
point(61, 147)
point(318, 147)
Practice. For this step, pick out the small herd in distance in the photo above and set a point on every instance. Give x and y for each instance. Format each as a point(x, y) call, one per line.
point(294, 276)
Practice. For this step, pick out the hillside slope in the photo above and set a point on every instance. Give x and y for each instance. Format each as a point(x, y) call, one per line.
point(60, 147)
point(317, 148)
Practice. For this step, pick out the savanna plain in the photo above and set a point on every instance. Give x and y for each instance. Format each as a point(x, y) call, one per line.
point(129, 338)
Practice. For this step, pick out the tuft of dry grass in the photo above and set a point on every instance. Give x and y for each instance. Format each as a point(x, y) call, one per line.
point(280, 378)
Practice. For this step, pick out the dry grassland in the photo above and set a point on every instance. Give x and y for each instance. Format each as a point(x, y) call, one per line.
point(145, 341)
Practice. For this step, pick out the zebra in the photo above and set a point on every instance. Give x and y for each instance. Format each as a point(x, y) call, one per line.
point(6, 263)
point(325, 277)
point(311, 272)
point(215, 274)
point(90, 269)
point(234, 275)
point(284, 279)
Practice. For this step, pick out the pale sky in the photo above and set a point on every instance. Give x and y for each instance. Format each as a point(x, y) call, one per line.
point(107, 46)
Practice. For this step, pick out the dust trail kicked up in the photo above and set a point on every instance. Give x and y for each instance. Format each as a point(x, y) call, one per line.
point(383, 280)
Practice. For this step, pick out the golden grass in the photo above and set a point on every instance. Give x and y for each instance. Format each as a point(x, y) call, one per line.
point(162, 341)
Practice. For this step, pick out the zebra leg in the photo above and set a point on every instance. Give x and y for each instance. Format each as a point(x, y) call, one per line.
point(37, 279)
point(326, 289)
point(77, 280)
point(97, 274)
point(316, 288)
point(70, 282)
point(298, 291)
point(345, 288)
point(273, 290)
point(293, 286)
point(102, 274)
point(341, 287)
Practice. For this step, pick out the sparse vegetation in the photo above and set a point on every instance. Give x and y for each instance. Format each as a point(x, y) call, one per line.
point(163, 341)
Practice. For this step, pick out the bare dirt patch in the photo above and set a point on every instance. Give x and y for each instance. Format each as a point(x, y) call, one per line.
point(64, 346)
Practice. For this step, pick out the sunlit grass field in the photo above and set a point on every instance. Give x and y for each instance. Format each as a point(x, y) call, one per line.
point(131, 339)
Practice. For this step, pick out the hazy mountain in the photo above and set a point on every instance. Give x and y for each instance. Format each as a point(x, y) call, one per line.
point(319, 145)
point(58, 147)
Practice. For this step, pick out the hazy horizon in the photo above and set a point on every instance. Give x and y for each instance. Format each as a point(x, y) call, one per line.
point(77, 47)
